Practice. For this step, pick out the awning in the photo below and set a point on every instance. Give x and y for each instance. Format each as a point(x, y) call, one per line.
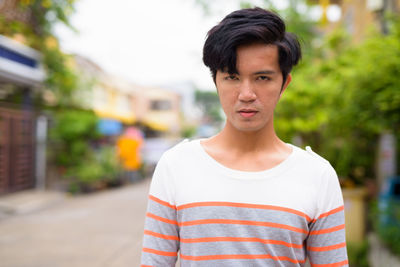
point(109, 127)
point(128, 119)
point(156, 125)
point(20, 64)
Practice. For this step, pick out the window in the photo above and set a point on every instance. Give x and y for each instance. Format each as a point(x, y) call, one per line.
point(160, 105)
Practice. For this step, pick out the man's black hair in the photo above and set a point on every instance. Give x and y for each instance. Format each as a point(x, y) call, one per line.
point(244, 27)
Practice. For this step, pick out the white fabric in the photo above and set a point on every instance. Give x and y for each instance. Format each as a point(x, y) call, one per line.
point(304, 181)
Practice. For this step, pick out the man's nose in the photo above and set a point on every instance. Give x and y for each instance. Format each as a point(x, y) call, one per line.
point(246, 92)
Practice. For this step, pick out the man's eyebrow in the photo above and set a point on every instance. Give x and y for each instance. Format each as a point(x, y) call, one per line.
point(265, 72)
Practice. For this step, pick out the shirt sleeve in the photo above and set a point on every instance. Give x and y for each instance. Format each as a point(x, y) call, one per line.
point(326, 243)
point(161, 231)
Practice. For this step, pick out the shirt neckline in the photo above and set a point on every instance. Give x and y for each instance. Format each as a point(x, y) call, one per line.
point(247, 175)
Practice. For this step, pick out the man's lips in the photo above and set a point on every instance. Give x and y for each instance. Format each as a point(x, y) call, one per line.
point(247, 113)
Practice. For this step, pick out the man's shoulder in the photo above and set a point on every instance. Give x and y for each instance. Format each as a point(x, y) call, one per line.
point(182, 150)
point(308, 158)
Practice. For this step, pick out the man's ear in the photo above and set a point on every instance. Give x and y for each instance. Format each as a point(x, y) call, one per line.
point(285, 85)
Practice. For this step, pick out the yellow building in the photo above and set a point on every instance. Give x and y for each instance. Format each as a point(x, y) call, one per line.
point(357, 15)
point(158, 109)
point(109, 97)
point(115, 98)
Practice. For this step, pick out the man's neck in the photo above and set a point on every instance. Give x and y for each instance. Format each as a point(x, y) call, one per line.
point(247, 151)
point(243, 141)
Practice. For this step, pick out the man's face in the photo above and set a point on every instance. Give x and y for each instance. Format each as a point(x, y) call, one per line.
point(249, 97)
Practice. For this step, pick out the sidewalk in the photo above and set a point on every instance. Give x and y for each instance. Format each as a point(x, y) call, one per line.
point(28, 201)
point(43, 229)
point(379, 255)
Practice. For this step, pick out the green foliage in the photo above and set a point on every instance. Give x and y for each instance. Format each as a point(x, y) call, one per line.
point(358, 254)
point(342, 100)
point(86, 173)
point(386, 222)
point(37, 33)
point(391, 237)
point(107, 158)
point(208, 102)
point(188, 131)
point(70, 135)
point(62, 79)
point(48, 12)
point(96, 170)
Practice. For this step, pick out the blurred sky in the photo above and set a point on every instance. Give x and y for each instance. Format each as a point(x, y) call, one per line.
point(149, 42)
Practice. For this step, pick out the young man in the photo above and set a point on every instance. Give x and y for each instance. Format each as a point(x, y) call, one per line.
point(244, 197)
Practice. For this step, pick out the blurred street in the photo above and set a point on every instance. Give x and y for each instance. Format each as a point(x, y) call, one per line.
point(100, 229)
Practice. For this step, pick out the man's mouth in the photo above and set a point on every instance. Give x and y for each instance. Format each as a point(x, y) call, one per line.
point(247, 113)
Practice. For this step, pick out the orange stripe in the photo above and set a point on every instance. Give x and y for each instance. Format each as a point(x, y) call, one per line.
point(225, 221)
point(331, 212)
point(146, 265)
point(336, 264)
point(327, 230)
point(242, 205)
point(341, 245)
point(159, 252)
point(164, 203)
point(239, 256)
point(326, 214)
point(161, 219)
point(167, 237)
point(240, 239)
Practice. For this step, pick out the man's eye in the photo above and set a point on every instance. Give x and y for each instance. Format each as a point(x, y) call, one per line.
point(231, 77)
point(263, 78)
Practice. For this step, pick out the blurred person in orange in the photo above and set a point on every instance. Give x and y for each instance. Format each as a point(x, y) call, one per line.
point(129, 145)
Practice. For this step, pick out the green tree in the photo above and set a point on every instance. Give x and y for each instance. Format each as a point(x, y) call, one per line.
point(208, 102)
point(366, 101)
point(340, 101)
point(38, 33)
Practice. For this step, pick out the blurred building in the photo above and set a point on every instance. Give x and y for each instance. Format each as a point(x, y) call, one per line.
point(356, 16)
point(158, 109)
point(21, 74)
point(189, 108)
point(121, 103)
point(107, 96)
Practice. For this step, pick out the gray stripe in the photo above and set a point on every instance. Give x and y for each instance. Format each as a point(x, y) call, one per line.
point(240, 263)
point(327, 239)
point(157, 260)
point(233, 230)
point(241, 248)
point(161, 227)
point(160, 244)
point(161, 210)
point(252, 214)
point(328, 222)
point(325, 257)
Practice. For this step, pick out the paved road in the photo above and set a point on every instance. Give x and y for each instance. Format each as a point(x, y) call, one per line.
point(101, 229)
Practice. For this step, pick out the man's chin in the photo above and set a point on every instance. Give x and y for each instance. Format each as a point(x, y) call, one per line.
point(249, 128)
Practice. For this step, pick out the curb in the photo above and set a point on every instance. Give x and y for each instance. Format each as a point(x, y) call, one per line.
point(28, 201)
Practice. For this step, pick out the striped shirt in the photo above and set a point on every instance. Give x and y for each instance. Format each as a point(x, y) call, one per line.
point(216, 216)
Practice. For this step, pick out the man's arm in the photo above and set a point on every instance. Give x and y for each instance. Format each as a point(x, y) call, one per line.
point(161, 232)
point(326, 243)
